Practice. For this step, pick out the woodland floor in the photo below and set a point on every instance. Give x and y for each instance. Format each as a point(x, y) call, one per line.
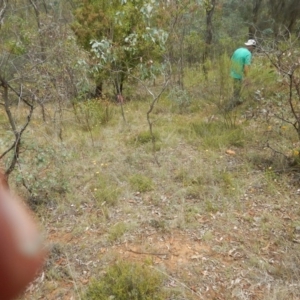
point(235, 235)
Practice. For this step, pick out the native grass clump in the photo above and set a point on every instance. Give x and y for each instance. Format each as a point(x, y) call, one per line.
point(141, 183)
point(218, 135)
point(93, 113)
point(117, 231)
point(105, 191)
point(125, 280)
point(145, 137)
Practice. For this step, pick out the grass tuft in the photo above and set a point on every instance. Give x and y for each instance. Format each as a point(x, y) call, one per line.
point(141, 183)
point(127, 281)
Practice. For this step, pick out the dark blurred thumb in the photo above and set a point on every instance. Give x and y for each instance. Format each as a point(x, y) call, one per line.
point(21, 251)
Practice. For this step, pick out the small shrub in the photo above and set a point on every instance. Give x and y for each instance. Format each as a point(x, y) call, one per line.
point(236, 137)
point(42, 172)
point(127, 281)
point(193, 192)
point(93, 113)
point(106, 191)
point(107, 194)
point(145, 137)
point(294, 159)
point(270, 174)
point(117, 231)
point(141, 183)
point(210, 207)
point(216, 135)
point(181, 176)
point(158, 224)
point(181, 99)
point(204, 129)
point(190, 214)
point(226, 178)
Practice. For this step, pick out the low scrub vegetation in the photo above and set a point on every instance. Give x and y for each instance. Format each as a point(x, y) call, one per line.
point(213, 213)
point(125, 280)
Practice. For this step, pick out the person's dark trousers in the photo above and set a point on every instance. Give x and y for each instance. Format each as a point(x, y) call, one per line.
point(236, 97)
point(237, 87)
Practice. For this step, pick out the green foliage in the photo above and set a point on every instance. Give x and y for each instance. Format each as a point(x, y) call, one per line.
point(225, 81)
point(16, 48)
point(182, 175)
point(105, 191)
point(180, 98)
point(210, 207)
point(135, 40)
point(190, 214)
point(286, 92)
point(141, 183)
point(117, 231)
point(145, 137)
point(267, 18)
point(93, 113)
point(295, 157)
point(127, 281)
point(217, 135)
point(42, 173)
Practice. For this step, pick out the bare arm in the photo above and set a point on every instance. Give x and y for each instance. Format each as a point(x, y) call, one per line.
point(246, 70)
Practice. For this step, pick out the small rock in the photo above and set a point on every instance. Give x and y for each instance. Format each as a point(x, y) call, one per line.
point(230, 152)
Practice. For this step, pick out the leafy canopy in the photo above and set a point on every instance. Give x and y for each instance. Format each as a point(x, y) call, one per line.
point(120, 35)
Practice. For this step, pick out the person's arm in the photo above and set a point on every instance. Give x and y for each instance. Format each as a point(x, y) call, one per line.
point(246, 70)
point(247, 64)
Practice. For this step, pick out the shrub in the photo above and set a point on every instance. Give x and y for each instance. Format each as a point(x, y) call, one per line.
point(42, 172)
point(181, 99)
point(93, 113)
point(127, 281)
point(106, 191)
point(216, 135)
point(116, 231)
point(145, 137)
point(141, 183)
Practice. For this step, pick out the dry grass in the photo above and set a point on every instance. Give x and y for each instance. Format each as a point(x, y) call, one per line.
point(218, 224)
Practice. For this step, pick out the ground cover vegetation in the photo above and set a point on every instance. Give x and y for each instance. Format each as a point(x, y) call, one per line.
point(113, 130)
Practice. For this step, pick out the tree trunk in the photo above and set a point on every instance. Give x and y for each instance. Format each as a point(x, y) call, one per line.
point(2, 11)
point(99, 90)
point(210, 7)
point(41, 37)
point(255, 13)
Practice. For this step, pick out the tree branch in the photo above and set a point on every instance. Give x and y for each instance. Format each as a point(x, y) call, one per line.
point(2, 11)
point(18, 134)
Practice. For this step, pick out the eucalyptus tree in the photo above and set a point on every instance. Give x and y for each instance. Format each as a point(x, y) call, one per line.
point(284, 16)
point(271, 18)
point(209, 8)
point(121, 37)
point(36, 67)
point(12, 61)
point(184, 21)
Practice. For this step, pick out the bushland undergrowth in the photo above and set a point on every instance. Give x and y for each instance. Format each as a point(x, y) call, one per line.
point(218, 216)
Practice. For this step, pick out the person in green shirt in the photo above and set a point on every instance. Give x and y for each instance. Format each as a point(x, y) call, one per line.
point(240, 63)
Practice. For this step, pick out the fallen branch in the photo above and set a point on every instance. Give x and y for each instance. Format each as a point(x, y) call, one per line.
point(147, 253)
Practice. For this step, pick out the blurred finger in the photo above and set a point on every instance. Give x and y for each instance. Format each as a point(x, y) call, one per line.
point(21, 251)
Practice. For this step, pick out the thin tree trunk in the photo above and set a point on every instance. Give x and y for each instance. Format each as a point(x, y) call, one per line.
point(2, 11)
point(41, 37)
point(255, 13)
point(15, 147)
point(210, 7)
point(99, 90)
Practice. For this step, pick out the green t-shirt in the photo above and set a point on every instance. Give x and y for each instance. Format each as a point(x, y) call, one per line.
point(240, 58)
